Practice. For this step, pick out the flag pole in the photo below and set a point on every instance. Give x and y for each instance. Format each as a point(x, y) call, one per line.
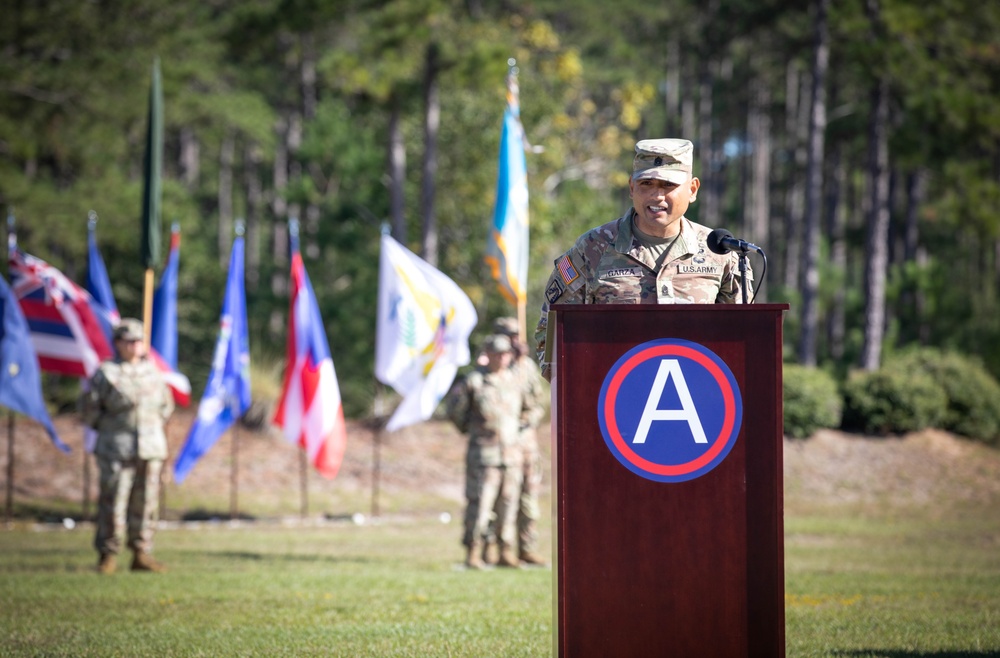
point(234, 508)
point(304, 483)
point(377, 447)
point(151, 196)
point(9, 513)
point(9, 508)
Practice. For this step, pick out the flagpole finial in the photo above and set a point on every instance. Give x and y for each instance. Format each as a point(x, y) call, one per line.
point(385, 229)
point(293, 226)
point(512, 66)
point(91, 220)
point(241, 227)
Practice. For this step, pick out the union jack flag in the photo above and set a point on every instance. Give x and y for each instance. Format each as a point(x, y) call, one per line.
point(65, 330)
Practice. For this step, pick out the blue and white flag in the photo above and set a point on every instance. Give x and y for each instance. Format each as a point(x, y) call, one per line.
point(507, 247)
point(20, 376)
point(227, 394)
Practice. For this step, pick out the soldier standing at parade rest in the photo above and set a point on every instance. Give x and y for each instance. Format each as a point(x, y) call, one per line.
point(652, 254)
point(128, 403)
point(486, 405)
point(529, 380)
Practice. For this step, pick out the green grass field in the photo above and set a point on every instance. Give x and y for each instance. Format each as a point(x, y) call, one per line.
point(893, 586)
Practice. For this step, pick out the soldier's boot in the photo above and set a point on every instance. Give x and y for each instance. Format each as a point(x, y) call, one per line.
point(530, 557)
point(507, 557)
point(107, 564)
point(487, 553)
point(145, 562)
point(473, 558)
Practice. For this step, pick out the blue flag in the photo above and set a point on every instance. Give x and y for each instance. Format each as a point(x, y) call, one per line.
point(227, 394)
point(507, 246)
point(164, 329)
point(20, 378)
point(98, 283)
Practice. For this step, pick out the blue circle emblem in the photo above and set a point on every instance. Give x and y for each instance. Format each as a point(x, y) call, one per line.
point(670, 410)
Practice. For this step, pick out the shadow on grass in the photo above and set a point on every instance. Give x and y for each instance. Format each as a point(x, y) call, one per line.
point(200, 514)
point(249, 556)
point(876, 653)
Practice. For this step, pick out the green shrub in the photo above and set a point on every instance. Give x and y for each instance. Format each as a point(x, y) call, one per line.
point(893, 401)
point(812, 401)
point(973, 394)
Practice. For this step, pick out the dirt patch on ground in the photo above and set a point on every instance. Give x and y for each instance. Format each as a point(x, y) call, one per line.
point(422, 471)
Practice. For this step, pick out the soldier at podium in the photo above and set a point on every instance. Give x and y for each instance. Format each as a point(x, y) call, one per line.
point(652, 254)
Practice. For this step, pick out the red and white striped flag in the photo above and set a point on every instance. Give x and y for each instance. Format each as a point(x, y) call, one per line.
point(310, 412)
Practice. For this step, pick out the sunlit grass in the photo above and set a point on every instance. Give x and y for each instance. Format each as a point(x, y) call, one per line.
point(893, 586)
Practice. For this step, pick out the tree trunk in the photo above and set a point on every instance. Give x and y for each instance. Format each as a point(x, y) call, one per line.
point(307, 78)
point(672, 97)
point(189, 159)
point(432, 120)
point(254, 214)
point(877, 246)
point(814, 188)
point(279, 229)
point(225, 237)
point(709, 201)
point(835, 230)
point(397, 171)
point(797, 117)
point(758, 214)
point(913, 301)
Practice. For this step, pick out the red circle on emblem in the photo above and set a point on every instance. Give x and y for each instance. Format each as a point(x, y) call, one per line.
point(729, 417)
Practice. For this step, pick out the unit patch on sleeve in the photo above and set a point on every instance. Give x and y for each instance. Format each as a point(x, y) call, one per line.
point(554, 291)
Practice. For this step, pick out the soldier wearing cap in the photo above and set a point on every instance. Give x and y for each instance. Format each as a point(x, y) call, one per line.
point(652, 254)
point(486, 405)
point(529, 380)
point(127, 403)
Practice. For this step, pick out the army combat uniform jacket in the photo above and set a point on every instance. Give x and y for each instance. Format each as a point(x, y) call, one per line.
point(608, 265)
point(487, 406)
point(127, 404)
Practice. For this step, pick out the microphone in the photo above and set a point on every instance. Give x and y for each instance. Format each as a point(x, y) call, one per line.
point(720, 241)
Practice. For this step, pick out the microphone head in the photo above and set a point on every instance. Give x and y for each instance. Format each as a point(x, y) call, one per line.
point(715, 239)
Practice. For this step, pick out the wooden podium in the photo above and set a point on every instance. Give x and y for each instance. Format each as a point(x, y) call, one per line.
point(667, 559)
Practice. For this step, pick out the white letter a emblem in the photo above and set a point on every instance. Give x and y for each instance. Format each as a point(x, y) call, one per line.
point(670, 368)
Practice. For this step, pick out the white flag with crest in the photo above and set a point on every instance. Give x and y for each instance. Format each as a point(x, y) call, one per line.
point(422, 333)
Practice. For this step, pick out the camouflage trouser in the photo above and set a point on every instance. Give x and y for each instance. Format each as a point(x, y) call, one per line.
point(489, 488)
point(527, 508)
point(129, 498)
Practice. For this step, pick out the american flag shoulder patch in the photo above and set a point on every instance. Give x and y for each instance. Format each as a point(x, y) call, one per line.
point(567, 271)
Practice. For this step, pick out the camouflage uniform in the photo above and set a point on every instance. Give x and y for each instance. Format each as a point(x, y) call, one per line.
point(128, 403)
point(609, 265)
point(532, 412)
point(486, 406)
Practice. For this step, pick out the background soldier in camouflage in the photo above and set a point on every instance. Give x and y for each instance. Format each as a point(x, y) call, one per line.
point(486, 405)
point(533, 406)
point(650, 255)
point(128, 403)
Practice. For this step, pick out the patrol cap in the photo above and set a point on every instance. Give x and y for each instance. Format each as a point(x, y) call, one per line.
point(129, 329)
point(669, 160)
point(506, 326)
point(497, 344)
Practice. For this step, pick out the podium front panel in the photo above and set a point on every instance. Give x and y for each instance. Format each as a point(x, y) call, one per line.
point(654, 568)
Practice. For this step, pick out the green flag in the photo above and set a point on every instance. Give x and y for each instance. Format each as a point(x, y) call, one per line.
point(152, 168)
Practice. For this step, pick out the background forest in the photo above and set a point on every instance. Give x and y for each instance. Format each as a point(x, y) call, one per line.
point(857, 142)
